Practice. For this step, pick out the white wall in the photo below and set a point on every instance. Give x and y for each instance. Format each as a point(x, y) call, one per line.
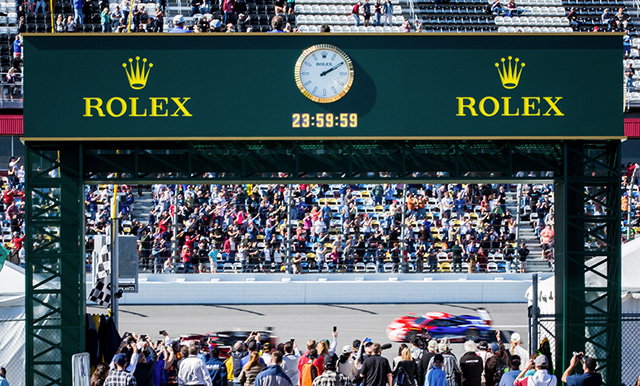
point(338, 288)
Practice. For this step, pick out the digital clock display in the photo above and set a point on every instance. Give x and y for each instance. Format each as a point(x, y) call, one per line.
point(327, 120)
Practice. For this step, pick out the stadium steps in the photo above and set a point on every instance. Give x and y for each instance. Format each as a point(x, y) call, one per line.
point(535, 261)
point(311, 14)
point(142, 206)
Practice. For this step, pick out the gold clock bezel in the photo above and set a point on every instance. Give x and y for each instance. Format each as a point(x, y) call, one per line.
point(309, 51)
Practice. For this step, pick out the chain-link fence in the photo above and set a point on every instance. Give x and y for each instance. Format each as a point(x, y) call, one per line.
point(12, 347)
point(630, 344)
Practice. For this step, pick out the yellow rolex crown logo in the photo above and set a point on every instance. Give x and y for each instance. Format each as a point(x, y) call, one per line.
point(510, 75)
point(137, 76)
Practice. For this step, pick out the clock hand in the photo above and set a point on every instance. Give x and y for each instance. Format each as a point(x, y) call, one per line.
point(331, 69)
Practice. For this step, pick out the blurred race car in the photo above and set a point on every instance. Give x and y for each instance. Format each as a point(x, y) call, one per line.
point(436, 325)
point(224, 340)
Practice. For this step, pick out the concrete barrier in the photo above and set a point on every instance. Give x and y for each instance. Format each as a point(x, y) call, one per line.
point(324, 289)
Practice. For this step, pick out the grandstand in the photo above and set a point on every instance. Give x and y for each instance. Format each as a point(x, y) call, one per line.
point(368, 226)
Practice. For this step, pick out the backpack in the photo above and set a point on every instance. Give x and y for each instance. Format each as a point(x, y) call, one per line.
point(400, 377)
point(501, 368)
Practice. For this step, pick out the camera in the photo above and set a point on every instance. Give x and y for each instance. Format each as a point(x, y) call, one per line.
point(578, 355)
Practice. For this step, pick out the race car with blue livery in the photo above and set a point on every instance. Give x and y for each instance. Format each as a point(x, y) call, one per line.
point(437, 325)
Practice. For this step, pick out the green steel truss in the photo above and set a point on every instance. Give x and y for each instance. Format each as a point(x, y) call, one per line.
point(585, 172)
point(588, 283)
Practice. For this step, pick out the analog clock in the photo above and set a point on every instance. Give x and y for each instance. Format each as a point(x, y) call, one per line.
point(324, 73)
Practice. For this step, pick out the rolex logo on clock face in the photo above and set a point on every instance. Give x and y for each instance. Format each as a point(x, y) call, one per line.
point(324, 73)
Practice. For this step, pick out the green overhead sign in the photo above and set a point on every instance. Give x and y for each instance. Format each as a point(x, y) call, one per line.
point(322, 86)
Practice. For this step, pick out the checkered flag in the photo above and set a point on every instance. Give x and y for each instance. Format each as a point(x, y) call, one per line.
point(101, 292)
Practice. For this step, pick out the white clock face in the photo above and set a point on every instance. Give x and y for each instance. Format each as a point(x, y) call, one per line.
point(324, 73)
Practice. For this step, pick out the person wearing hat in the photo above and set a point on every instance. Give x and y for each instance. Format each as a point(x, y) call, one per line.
point(471, 365)
point(375, 370)
point(330, 377)
point(436, 376)
point(588, 378)
point(266, 352)
point(423, 364)
point(516, 349)
point(449, 365)
point(346, 364)
point(120, 377)
point(540, 378)
point(514, 370)
point(483, 351)
point(178, 25)
point(495, 365)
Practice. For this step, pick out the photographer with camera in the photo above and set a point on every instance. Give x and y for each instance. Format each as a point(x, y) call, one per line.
point(540, 378)
point(588, 378)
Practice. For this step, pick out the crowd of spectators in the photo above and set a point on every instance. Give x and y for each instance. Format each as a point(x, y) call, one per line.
point(333, 228)
point(253, 362)
point(327, 228)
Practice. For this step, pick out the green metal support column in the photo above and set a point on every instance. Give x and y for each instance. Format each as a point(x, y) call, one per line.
point(588, 256)
point(55, 305)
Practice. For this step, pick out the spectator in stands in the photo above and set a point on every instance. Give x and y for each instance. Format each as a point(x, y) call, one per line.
point(276, 24)
point(496, 7)
point(105, 20)
point(243, 22)
point(78, 15)
point(195, 7)
point(291, 7)
point(621, 19)
point(523, 252)
point(377, 195)
point(227, 9)
point(10, 78)
point(125, 6)
point(572, 16)
point(17, 47)
point(366, 12)
point(71, 25)
point(512, 9)
point(279, 6)
point(40, 4)
point(178, 25)
point(355, 12)
point(60, 24)
point(116, 15)
point(607, 19)
point(406, 25)
point(158, 20)
point(626, 44)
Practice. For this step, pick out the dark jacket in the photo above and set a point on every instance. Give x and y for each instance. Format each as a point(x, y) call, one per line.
point(499, 361)
point(471, 366)
point(218, 371)
point(144, 371)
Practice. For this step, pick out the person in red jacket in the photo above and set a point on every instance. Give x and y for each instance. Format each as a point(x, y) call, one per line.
point(355, 12)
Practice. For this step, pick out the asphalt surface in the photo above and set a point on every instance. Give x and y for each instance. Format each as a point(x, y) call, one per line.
point(304, 322)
